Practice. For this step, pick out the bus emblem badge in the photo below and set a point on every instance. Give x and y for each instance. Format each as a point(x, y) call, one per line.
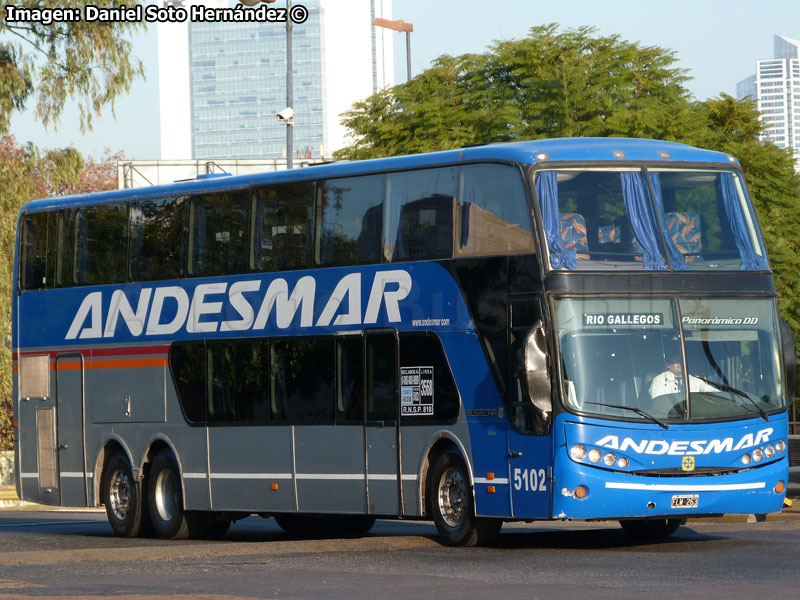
point(688, 463)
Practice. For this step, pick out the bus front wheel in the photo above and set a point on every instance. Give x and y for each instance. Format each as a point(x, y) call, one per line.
point(123, 498)
point(650, 529)
point(452, 504)
point(165, 501)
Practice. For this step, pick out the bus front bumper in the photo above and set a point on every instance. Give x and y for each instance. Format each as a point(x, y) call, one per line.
point(583, 492)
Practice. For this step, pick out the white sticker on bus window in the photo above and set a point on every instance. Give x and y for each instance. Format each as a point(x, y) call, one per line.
point(416, 391)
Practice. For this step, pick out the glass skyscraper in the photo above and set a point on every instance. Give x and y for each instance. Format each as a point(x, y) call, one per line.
point(232, 79)
point(776, 88)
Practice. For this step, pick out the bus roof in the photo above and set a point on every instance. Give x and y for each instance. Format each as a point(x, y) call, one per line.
point(527, 152)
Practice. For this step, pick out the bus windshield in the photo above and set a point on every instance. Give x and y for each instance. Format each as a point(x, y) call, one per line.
point(655, 219)
point(623, 357)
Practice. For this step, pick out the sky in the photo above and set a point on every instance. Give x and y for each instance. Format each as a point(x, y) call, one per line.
point(716, 41)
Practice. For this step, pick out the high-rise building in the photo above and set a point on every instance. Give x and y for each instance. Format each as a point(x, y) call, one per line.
point(776, 88)
point(221, 84)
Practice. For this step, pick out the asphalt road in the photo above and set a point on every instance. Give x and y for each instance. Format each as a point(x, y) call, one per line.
point(73, 554)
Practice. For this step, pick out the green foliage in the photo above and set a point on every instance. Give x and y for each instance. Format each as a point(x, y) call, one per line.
point(26, 174)
point(16, 181)
point(550, 84)
point(90, 62)
point(576, 84)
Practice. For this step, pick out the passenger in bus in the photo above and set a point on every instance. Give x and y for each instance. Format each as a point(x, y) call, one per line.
point(671, 381)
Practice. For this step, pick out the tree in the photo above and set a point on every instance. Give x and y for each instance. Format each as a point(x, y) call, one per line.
point(88, 61)
point(25, 174)
point(574, 83)
point(550, 84)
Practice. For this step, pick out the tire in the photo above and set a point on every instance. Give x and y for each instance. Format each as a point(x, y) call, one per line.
point(122, 496)
point(452, 504)
point(650, 529)
point(165, 502)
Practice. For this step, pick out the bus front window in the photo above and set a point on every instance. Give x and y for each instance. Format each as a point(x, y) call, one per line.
point(652, 220)
point(623, 358)
point(732, 348)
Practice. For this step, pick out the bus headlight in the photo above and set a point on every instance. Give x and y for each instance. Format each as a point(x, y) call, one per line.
point(578, 452)
point(610, 459)
point(746, 459)
point(780, 446)
point(769, 451)
point(758, 454)
point(594, 455)
point(622, 463)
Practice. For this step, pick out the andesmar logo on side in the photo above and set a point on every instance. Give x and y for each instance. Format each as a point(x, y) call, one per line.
point(342, 308)
point(685, 447)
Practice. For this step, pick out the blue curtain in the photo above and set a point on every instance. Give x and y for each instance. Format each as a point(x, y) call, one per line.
point(733, 209)
point(547, 191)
point(675, 255)
point(640, 212)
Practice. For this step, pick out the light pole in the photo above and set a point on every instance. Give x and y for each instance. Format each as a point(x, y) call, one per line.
point(399, 26)
point(289, 99)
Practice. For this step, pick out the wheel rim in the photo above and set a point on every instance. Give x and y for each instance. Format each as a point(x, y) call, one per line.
point(120, 492)
point(167, 495)
point(452, 497)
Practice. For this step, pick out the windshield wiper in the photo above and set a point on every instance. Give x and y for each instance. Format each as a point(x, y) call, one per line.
point(636, 410)
point(726, 388)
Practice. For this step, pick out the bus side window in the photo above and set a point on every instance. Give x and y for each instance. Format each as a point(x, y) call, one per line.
point(33, 264)
point(282, 227)
point(420, 215)
point(65, 255)
point(350, 380)
point(187, 361)
point(381, 377)
point(303, 373)
point(102, 252)
point(158, 240)
point(238, 377)
point(439, 402)
point(494, 217)
point(349, 217)
point(220, 229)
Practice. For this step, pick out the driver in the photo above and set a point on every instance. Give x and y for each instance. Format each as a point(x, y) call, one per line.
point(671, 380)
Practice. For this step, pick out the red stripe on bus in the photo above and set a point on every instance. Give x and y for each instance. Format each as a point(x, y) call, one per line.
point(130, 363)
point(132, 350)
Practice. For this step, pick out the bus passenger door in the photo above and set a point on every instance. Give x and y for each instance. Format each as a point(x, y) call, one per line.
point(70, 435)
point(37, 432)
point(530, 436)
point(382, 422)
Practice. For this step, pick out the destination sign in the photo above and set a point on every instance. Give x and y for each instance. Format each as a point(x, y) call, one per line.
point(622, 319)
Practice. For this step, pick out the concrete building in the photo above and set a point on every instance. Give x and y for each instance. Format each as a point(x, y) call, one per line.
point(776, 88)
point(221, 84)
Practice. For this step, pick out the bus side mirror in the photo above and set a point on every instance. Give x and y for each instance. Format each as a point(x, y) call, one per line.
point(536, 373)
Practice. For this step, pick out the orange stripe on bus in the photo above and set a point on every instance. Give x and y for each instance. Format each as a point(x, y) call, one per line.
point(127, 363)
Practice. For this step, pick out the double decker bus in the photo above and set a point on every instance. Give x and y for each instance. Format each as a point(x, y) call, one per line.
point(551, 329)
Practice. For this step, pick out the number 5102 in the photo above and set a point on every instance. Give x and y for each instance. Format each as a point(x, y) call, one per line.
point(530, 480)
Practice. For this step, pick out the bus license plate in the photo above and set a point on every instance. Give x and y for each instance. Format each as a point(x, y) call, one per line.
point(688, 501)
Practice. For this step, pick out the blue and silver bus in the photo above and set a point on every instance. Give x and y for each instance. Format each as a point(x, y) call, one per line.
point(551, 329)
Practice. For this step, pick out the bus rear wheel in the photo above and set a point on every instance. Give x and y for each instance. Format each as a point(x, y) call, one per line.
point(165, 501)
point(122, 496)
point(650, 529)
point(452, 504)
